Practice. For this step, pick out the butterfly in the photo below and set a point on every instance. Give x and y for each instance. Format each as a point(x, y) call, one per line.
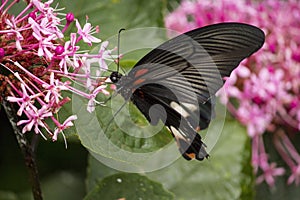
point(177, 81)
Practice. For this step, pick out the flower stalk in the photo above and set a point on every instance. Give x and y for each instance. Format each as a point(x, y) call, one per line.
point(27, 150)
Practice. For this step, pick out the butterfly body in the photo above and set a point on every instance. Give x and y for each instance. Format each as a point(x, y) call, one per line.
point(177, 81)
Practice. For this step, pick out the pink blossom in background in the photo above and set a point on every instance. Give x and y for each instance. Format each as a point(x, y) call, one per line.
point(267, 85)
point(39, 60)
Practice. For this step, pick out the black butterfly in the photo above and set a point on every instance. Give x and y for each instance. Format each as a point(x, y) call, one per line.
point(177, 81)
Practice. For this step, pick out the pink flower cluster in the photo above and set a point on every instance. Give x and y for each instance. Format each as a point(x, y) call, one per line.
point(39, 61)
point(267, 85)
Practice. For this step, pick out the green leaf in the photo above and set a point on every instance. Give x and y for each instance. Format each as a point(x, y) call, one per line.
point(129, 141)
point(96, 171)
point(128, 186)
point(227, 174)
point(222, 176)
point(112, 15)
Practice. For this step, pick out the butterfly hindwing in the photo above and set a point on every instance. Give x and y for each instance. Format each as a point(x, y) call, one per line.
point(155, 107)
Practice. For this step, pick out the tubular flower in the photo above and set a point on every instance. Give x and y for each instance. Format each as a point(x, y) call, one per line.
point(39, 61)
point(266, 86)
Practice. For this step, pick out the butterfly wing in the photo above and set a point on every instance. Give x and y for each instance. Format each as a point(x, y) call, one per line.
point(202, 57)
point(154, 106)
point(183, 75)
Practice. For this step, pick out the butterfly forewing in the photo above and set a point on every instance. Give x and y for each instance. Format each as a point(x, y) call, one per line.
point(188, 70)
point(211, 53)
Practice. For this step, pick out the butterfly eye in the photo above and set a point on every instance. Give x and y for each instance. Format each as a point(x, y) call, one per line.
point(115, 77)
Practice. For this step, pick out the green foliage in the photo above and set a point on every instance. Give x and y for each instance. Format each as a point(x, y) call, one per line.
point(128, 186)
point(108, 142)
point(225, 175)
point(113, 15)
point(96, 171)
point(219, 177)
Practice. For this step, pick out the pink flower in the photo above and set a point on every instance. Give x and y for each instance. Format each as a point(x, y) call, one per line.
point(66, 124)
point(270, 171)
point(36, 118)
point(42, 7)
point(70, 50)
point(104, 54)
point(266, 86)
point(41, 63)
point(45, 46)
point(295, 176)
point(54, 89)
point(24, 101)
point(92, 102)
point(86, 33)
point(14, 29)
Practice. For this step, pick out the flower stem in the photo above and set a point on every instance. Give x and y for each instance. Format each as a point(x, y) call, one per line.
point(26, 149)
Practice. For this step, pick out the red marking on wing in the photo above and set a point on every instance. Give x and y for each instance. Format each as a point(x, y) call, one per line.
point(141, 72)
point(139, 81)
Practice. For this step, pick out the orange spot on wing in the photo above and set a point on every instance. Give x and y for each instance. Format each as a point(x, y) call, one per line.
point(139, 81)
point(191, 155)
point(141, 72)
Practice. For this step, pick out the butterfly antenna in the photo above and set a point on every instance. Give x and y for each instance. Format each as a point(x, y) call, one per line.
point(119, 34)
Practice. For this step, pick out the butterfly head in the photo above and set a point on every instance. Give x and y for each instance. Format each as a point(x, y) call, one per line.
point(115, 77)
